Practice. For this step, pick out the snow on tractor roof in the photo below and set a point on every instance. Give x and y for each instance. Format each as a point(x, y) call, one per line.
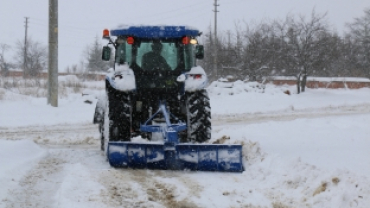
point(155, 31)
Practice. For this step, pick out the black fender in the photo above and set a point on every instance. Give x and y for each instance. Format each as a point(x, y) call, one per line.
point(99, 111)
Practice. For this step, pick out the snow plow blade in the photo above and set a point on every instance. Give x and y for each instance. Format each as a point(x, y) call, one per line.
point(197, 157)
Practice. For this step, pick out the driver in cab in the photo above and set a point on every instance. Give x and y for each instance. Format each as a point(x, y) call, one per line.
point(154, 60)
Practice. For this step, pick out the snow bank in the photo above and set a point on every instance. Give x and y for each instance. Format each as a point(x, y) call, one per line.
point(19, 110)
point(323, 79)
point(302, 163)
point(317, 141)
point(281, 180)
point(16, 158)
point(253, 98)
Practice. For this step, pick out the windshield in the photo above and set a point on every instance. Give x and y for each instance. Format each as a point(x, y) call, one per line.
point(151, 54)
point(157, 55)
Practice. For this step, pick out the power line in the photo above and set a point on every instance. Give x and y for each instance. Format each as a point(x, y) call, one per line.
point(179, 14)
point(172, 10)
point(63, 31)
point(164, 13)
point(195, 17)
point(180, 8)
point(235, 2)
point(62, 25)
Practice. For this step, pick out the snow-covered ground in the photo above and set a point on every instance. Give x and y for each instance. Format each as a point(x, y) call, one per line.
point(306, 150)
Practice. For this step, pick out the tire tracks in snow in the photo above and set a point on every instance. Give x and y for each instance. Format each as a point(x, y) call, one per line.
point(38, 187)
point(46, 181)
point(67, 134)
point(45, 134)
point(124, 185)
point(50, 183)
point(20, 132)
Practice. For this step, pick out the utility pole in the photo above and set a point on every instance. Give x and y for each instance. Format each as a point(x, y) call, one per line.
point(215, 41)
point(229, 40)
point(25, 48)
point(53, 54)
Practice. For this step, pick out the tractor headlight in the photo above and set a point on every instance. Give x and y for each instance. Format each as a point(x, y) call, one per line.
point(193, 41)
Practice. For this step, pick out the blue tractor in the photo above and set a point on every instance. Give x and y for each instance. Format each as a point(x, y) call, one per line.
point(156, 92)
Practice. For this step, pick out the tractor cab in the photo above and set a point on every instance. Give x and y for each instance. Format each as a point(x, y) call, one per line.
point(156, 54)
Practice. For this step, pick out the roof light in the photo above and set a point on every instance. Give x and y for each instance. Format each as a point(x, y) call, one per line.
point(185, 40)
point(105, 33)
point(130, 40)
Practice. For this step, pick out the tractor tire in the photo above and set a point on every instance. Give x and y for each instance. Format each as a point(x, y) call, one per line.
point(120, 113)
point(99, 117)
point(101, 131)
point(198, 116)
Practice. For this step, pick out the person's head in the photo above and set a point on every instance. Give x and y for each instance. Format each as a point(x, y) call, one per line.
point(157, 47)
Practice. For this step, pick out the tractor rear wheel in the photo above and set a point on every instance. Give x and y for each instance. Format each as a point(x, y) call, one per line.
point(120, 112)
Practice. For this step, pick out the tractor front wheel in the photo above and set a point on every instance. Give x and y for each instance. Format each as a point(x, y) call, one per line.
point(198, 116)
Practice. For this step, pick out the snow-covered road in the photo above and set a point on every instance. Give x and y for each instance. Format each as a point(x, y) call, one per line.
point(86, 133)
point(308, 150)
point(74, 173)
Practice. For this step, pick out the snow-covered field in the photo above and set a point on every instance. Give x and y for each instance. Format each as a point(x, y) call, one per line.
point(306, 150)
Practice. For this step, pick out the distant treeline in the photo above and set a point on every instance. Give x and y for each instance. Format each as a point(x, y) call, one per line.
point(296, 46)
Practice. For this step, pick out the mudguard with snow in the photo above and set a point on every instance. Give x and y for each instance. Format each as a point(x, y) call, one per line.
point(155, 69)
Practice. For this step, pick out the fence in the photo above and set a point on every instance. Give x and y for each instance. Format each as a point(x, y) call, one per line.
point(325, 82)
point(44, 75)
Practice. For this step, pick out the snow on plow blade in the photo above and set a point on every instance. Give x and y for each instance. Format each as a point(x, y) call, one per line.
point(227, 158)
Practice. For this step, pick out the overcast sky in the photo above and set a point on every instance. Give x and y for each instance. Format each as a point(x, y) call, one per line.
point(80, 21)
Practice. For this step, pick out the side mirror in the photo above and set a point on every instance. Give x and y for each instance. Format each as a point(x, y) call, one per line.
point(199, 51)
point(106, 53)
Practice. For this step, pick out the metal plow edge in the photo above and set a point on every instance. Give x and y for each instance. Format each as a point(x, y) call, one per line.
point(198, 157)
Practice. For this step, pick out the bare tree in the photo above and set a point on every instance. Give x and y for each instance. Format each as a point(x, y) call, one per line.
point(227, 55)
point(94, 58)
point(297, 46)
point(259, 52)
point(207, 62)
point(4, 65)
point(304, 45)
point(360, 34)
point(36, 59)
point(332, 60)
